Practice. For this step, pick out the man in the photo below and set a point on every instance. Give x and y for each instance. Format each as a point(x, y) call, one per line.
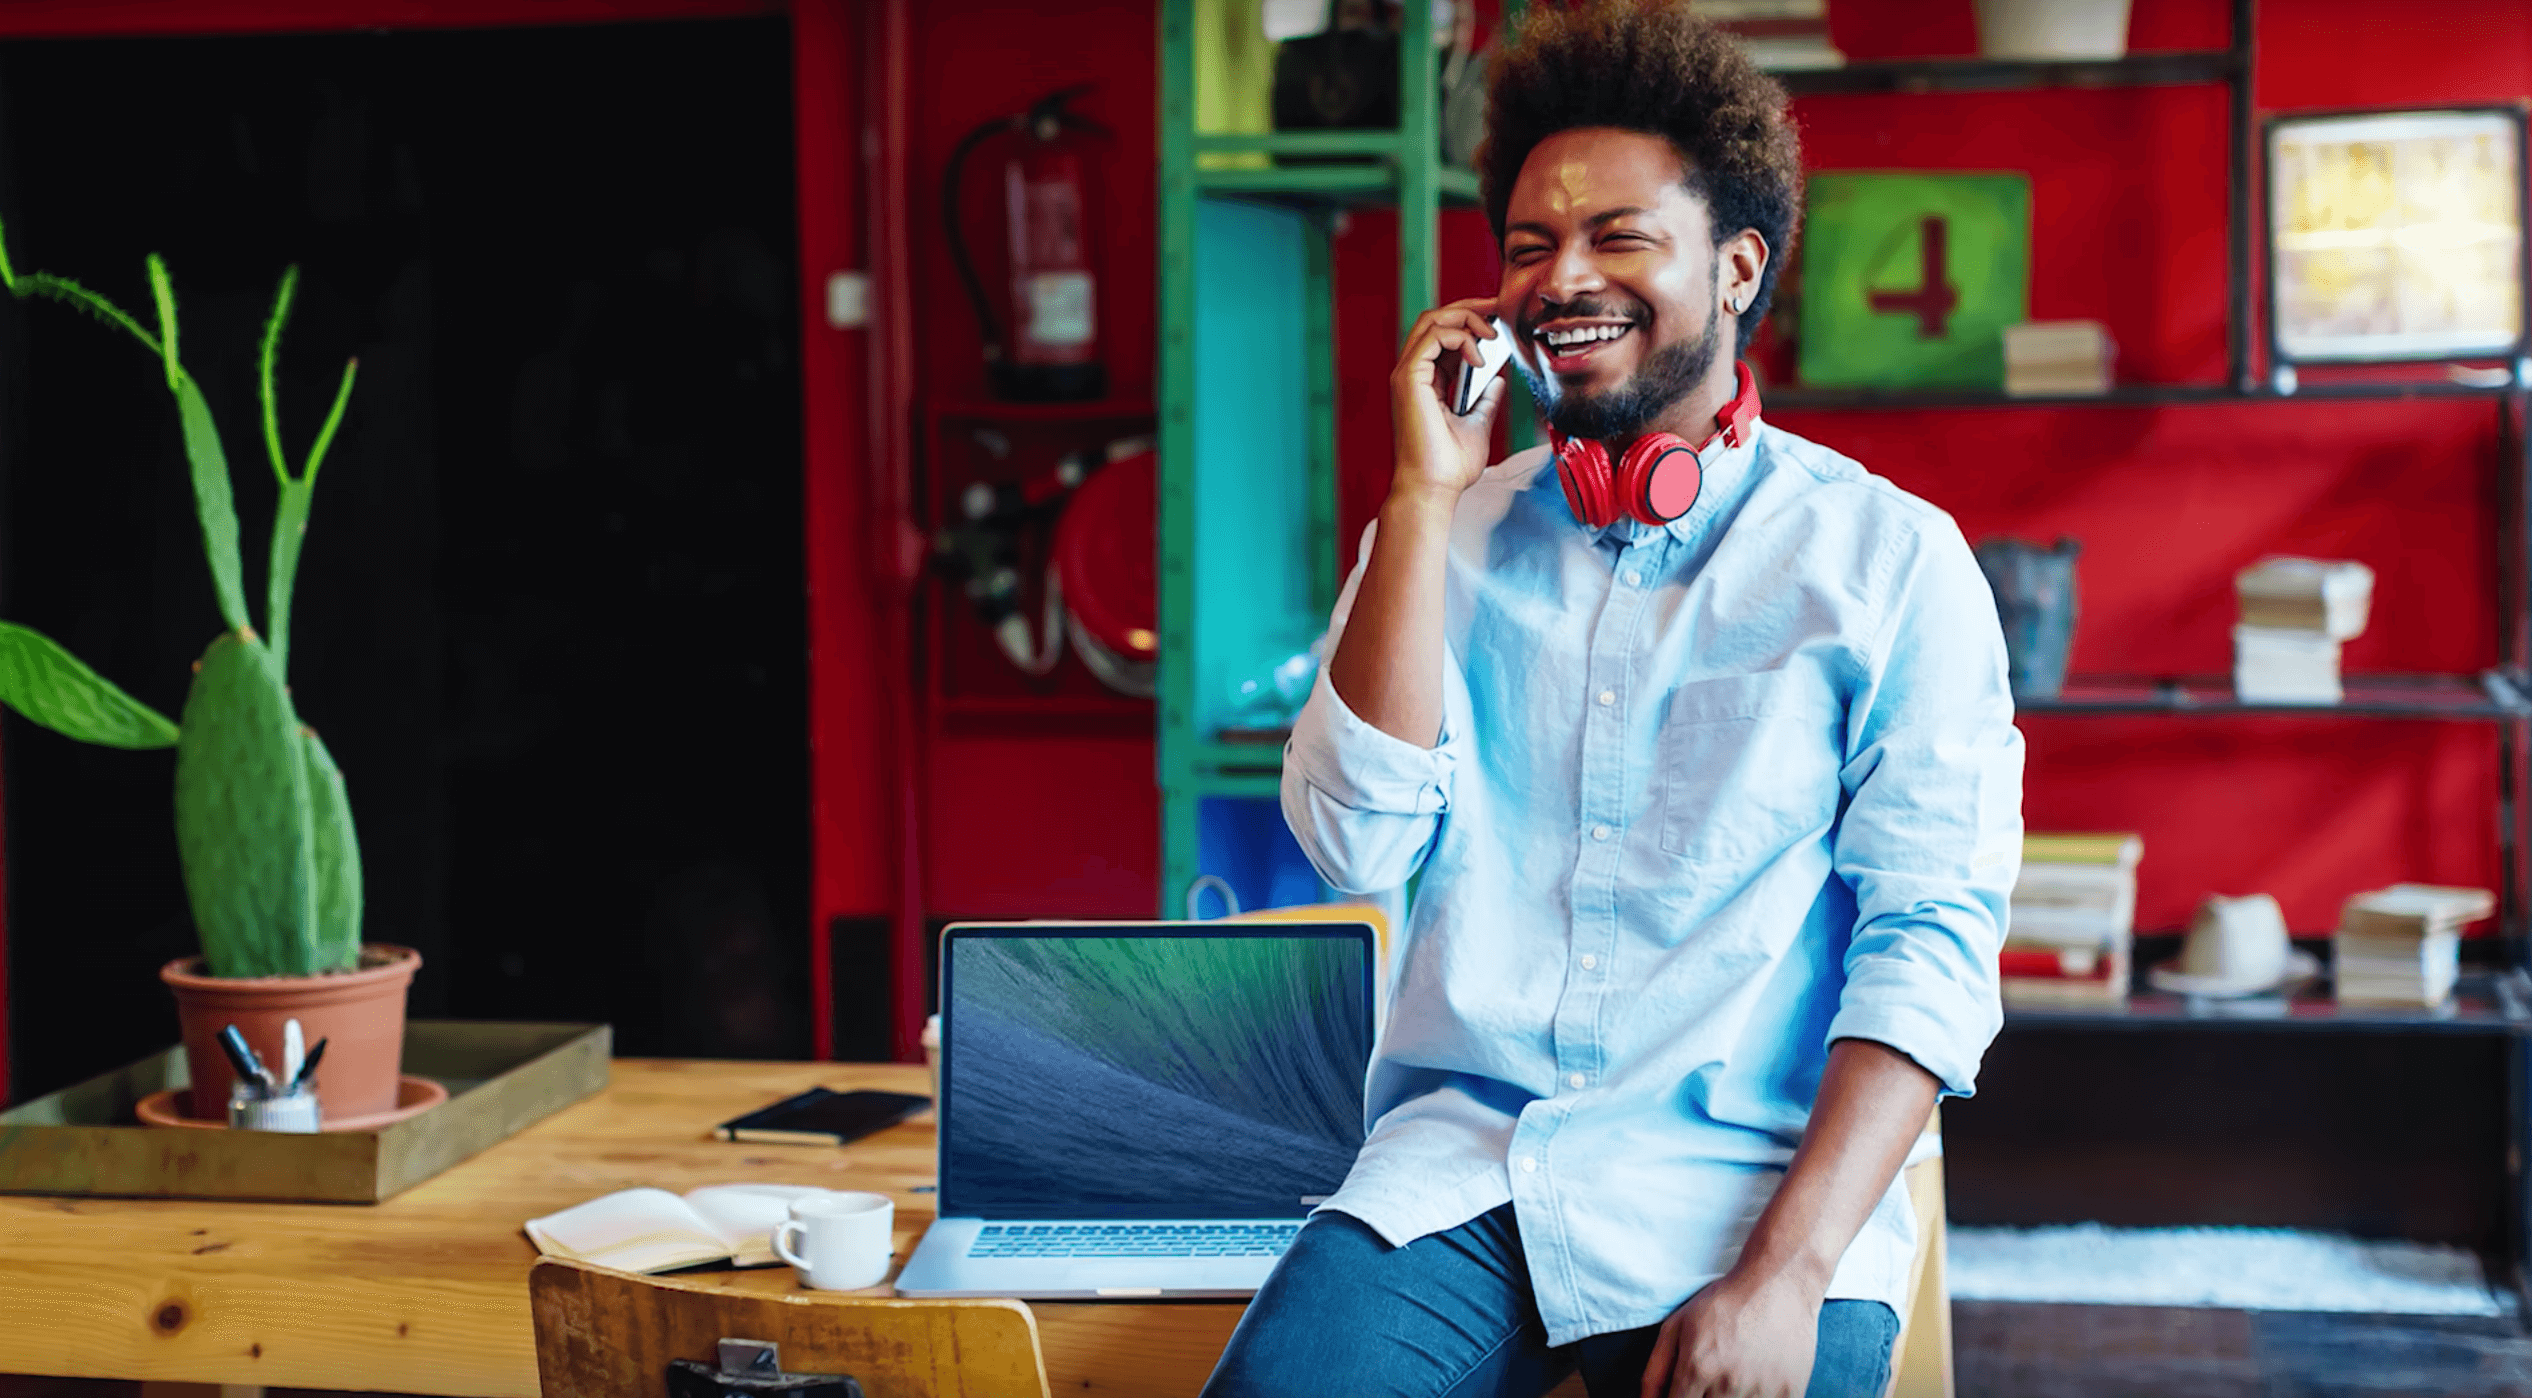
point(1716, 819)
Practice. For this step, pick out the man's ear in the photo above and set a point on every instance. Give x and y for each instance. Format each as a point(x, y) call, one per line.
point(1738, 265)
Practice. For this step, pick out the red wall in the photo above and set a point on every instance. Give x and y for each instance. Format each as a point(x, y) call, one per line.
point(2128, 190)
point(1037, 817)
point(2128, 210)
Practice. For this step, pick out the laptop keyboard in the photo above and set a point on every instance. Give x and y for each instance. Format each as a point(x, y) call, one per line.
point(1133, 1240)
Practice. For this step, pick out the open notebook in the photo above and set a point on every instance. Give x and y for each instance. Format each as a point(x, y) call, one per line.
point(652, 1230)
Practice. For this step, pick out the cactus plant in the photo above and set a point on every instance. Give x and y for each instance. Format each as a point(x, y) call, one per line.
point(271, 862)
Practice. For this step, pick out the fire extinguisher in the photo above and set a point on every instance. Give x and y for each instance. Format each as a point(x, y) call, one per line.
point(1052, 351)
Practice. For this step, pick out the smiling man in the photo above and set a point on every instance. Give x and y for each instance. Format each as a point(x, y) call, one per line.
point(1699, 736)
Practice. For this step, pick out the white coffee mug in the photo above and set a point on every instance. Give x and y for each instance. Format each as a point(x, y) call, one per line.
point(838, 1241)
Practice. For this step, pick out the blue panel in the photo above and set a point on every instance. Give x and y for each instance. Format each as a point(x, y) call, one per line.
point(1245, 844)
point(1252, 478)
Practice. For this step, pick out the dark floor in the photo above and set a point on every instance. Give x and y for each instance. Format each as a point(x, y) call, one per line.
point(2004, 1350)
point(2007, 1350)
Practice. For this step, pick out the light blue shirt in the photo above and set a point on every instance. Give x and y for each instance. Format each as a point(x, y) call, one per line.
point(1707, 797)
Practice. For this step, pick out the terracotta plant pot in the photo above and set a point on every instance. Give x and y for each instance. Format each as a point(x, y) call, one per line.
point(361, 1013)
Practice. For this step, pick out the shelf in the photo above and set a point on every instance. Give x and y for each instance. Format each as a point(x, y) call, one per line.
point(1265, 755)
point(2488, 696)
point(997, 410)
point(2485, 1002)
point(2004, 75)
point(1357, 182)
point(1383, 144)
point(1305, 180)
point(1793, 398)
point(1242, 786)
point(2467, 697)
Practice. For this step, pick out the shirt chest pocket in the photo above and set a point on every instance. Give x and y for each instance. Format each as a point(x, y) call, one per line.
point(1747, 764)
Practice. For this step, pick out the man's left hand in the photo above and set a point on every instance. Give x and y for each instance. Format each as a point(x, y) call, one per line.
point(1738, 1338)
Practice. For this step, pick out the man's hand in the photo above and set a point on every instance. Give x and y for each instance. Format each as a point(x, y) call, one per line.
point(1738, 1338)
point(1441, 453)
point(1754, 1332)
point(1389, 657)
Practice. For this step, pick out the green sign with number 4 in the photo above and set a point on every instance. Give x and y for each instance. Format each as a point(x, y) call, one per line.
point(1908, 280)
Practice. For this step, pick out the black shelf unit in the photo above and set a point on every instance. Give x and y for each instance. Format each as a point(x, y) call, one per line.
point(2493, 696)
point(1796, 399)
point(2492, 1001)
point(2495, 1002)
point(2006, 75)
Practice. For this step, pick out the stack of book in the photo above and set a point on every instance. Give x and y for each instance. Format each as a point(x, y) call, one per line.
point(2057, 358)
point(2295, 613)
point(2073, 916)
point(2401, 946)
point(1782, 36)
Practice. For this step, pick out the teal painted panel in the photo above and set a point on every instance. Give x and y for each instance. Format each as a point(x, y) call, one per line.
point(1253, 557)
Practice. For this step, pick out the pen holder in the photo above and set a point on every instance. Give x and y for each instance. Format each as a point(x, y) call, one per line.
point(293, 1112)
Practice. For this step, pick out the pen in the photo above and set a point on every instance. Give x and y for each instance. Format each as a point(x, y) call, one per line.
point(294, 1046)
point(243, 1059)
point(307, 1070)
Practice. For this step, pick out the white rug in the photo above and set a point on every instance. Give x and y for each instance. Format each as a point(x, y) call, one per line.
point(2259, 1269)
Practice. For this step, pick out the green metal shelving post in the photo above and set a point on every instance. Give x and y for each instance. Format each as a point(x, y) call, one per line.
point(1370, 167)
point(1177, 737)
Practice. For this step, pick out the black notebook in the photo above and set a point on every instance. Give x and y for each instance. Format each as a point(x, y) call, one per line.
point(821, 1117)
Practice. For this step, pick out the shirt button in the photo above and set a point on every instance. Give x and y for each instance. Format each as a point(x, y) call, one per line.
point(1575, 1081)
point(1608, 697)
point(1600, 832)
point(1633, 578)
point(1529, 1165)
point(1589, 961)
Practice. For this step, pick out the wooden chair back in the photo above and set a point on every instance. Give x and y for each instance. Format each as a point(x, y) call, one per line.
point(607, 1334)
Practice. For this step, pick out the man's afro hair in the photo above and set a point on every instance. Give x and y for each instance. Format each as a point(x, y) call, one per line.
point(1651, 66)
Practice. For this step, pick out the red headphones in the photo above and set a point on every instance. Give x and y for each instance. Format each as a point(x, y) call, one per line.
point(1658, 478)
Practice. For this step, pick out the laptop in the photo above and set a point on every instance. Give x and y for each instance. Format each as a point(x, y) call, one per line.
point(1143, 1109)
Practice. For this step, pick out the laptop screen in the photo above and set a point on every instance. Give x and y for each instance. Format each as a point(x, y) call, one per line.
point(1152, 1072)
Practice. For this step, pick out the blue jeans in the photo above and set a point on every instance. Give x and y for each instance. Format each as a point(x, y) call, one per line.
point(1452, 1316)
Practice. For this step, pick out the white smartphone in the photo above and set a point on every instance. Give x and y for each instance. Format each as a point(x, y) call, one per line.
point(1473, 378)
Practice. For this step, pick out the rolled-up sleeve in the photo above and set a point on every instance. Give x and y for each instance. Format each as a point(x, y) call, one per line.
point(1364, 805)
point(1932, 836)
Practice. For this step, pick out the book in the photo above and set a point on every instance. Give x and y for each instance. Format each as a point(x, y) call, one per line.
point(2071, 920)
point(2062, 358)
point(821, 1116)
point(2052, 963)
point(1781, 35)
point(2419, 907)
point(652, 1230)
point(2401, 946)
point(2121, 850)
point(2107, 984)
point(2073, 904)
point(2321, 596)
point(2273, 665)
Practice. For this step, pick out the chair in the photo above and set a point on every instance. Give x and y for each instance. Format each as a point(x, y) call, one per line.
point(601, 1333)
point(1923, 1367)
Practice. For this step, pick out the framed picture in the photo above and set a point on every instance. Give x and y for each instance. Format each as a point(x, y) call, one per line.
point(1909, 279)
point(2396, 236)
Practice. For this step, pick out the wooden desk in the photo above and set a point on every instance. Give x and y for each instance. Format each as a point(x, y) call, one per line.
point(427, 1293)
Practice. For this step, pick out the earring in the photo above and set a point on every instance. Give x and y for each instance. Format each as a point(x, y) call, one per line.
point(1738, 305)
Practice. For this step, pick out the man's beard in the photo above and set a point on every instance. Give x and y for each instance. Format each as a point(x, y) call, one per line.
point(1623, 412)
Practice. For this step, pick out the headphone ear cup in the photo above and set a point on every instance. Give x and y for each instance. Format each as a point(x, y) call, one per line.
point(1582, 465)
point(1659, 478)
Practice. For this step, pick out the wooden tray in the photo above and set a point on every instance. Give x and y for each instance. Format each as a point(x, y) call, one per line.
point(501, 1079)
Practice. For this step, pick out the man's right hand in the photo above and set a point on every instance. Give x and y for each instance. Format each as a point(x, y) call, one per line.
point(1440, 453)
